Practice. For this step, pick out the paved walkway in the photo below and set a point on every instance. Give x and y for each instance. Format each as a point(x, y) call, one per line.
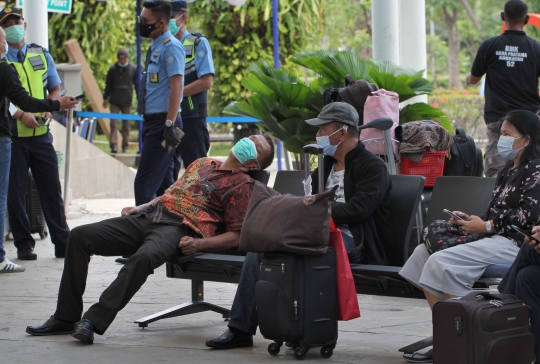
point(29, 298)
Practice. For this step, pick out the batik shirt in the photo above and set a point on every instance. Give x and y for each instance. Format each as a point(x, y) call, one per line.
point(515, 201)
point(210, 200)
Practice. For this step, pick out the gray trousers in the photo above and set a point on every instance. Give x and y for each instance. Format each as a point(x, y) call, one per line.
point(126, 126)
point(493, 163)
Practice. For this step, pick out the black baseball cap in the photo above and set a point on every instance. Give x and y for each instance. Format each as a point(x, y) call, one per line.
point(122, 53)
point(340, 112)
point(7, 12)
point(179, 6)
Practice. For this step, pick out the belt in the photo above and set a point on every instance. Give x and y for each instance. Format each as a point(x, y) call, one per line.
point(153, 117)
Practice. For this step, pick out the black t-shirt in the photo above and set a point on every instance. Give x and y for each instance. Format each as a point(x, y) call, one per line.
point(511, 62)
point(12, 89)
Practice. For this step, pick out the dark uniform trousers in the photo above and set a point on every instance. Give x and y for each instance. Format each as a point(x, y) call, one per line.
point(156, 167)
point(150, 245)
point(126, 126)
point(522, 281)
point(38, 154)
point(194, 145)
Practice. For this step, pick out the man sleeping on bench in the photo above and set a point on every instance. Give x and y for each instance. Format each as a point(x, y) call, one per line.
point(210, 198)
point(361, 210)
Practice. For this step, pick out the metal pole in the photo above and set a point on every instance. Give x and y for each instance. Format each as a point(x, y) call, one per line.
point(67, 159)
point(275, 36)
point(389, 152)
point(139, 69)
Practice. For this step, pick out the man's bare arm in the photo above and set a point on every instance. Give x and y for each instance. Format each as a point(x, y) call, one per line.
point(472, 80)
point(224, 241)
point(202, 84)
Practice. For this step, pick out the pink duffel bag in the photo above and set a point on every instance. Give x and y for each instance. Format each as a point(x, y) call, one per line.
point(383, 104)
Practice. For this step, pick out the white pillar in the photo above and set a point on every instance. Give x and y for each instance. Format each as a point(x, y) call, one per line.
point(412, 38)
point(385, 25)
point(35, 15)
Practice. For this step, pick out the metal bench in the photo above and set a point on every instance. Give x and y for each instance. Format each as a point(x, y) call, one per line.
point(227, 266)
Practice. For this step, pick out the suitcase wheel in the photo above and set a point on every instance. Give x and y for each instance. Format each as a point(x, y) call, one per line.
point(273, 348)
point(327, 351)
point(300, 353)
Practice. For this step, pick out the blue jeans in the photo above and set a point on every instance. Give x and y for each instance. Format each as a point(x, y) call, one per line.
point(243, 311)
point(5, 159)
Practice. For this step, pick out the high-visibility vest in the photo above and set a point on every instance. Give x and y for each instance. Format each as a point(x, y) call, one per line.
point(194, 106)
point(33, 74)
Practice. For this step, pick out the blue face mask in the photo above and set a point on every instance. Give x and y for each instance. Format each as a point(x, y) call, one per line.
point(15, 33)
point(123, 65)
point(245, 150)
point(173, 27)
point(505, 147)
point(324, 142)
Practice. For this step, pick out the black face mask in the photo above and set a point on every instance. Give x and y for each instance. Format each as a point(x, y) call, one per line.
point(146, 29)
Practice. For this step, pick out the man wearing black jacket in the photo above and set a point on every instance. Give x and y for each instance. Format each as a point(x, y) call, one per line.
point(361, 211)
point(13, 91)
point(121, 78)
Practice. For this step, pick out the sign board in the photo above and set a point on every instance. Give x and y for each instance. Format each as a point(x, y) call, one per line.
point(54, 6)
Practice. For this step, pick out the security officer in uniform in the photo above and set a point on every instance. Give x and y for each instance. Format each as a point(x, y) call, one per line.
point(198, 80)
point(159, 101)
point(32, 143)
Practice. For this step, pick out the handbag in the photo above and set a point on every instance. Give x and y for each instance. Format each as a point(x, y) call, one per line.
point(286, 223)
point(381, 104)
point(440, 235)
point(347, 302)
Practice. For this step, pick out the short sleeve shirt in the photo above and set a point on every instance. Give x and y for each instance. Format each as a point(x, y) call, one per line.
point(210, 200)
point(512, 66)
point(53, 79)
point(167, 60)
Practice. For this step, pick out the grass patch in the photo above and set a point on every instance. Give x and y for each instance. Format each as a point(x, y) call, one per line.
point(220, 149)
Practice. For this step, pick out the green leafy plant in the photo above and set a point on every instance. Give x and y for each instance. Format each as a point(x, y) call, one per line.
point(283, 101)
point(242, 35)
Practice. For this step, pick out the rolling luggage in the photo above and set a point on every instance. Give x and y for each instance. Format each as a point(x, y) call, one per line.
point(296, 301)
point(34, 210)
point(296, 296)
point(482, 328)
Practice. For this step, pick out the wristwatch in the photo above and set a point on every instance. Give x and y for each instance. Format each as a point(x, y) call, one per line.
point(168, 123)
point(488, 226)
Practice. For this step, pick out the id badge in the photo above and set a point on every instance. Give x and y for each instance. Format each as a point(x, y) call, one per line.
point(154, 77)
point(208, 187)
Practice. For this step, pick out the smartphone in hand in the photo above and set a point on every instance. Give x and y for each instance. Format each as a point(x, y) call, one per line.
point(79, 97)
point(452, 214)
point(525, 233)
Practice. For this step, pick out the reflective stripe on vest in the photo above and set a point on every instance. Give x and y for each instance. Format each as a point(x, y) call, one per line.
point(33, 74)
point(190, 104)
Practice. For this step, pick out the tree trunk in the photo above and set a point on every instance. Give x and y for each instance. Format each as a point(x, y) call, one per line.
point(453, 47)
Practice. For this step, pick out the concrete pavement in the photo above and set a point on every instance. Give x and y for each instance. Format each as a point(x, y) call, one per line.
point(29, 298)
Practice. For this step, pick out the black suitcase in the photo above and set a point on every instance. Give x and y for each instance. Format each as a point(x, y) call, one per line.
point(466, 158)
point(34, 210)
point(482, 328)
point(297, 302)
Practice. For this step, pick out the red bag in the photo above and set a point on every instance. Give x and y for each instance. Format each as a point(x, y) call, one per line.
point(348, 308)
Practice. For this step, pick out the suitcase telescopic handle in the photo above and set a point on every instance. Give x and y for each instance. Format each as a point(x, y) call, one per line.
point(314, 148)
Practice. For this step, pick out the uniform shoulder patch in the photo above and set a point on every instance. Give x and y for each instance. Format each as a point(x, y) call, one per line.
point(166, 40)
point(170, 58)
point(201, 53)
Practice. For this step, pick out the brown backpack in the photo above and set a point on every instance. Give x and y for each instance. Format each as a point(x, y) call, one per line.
point(354, 93)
